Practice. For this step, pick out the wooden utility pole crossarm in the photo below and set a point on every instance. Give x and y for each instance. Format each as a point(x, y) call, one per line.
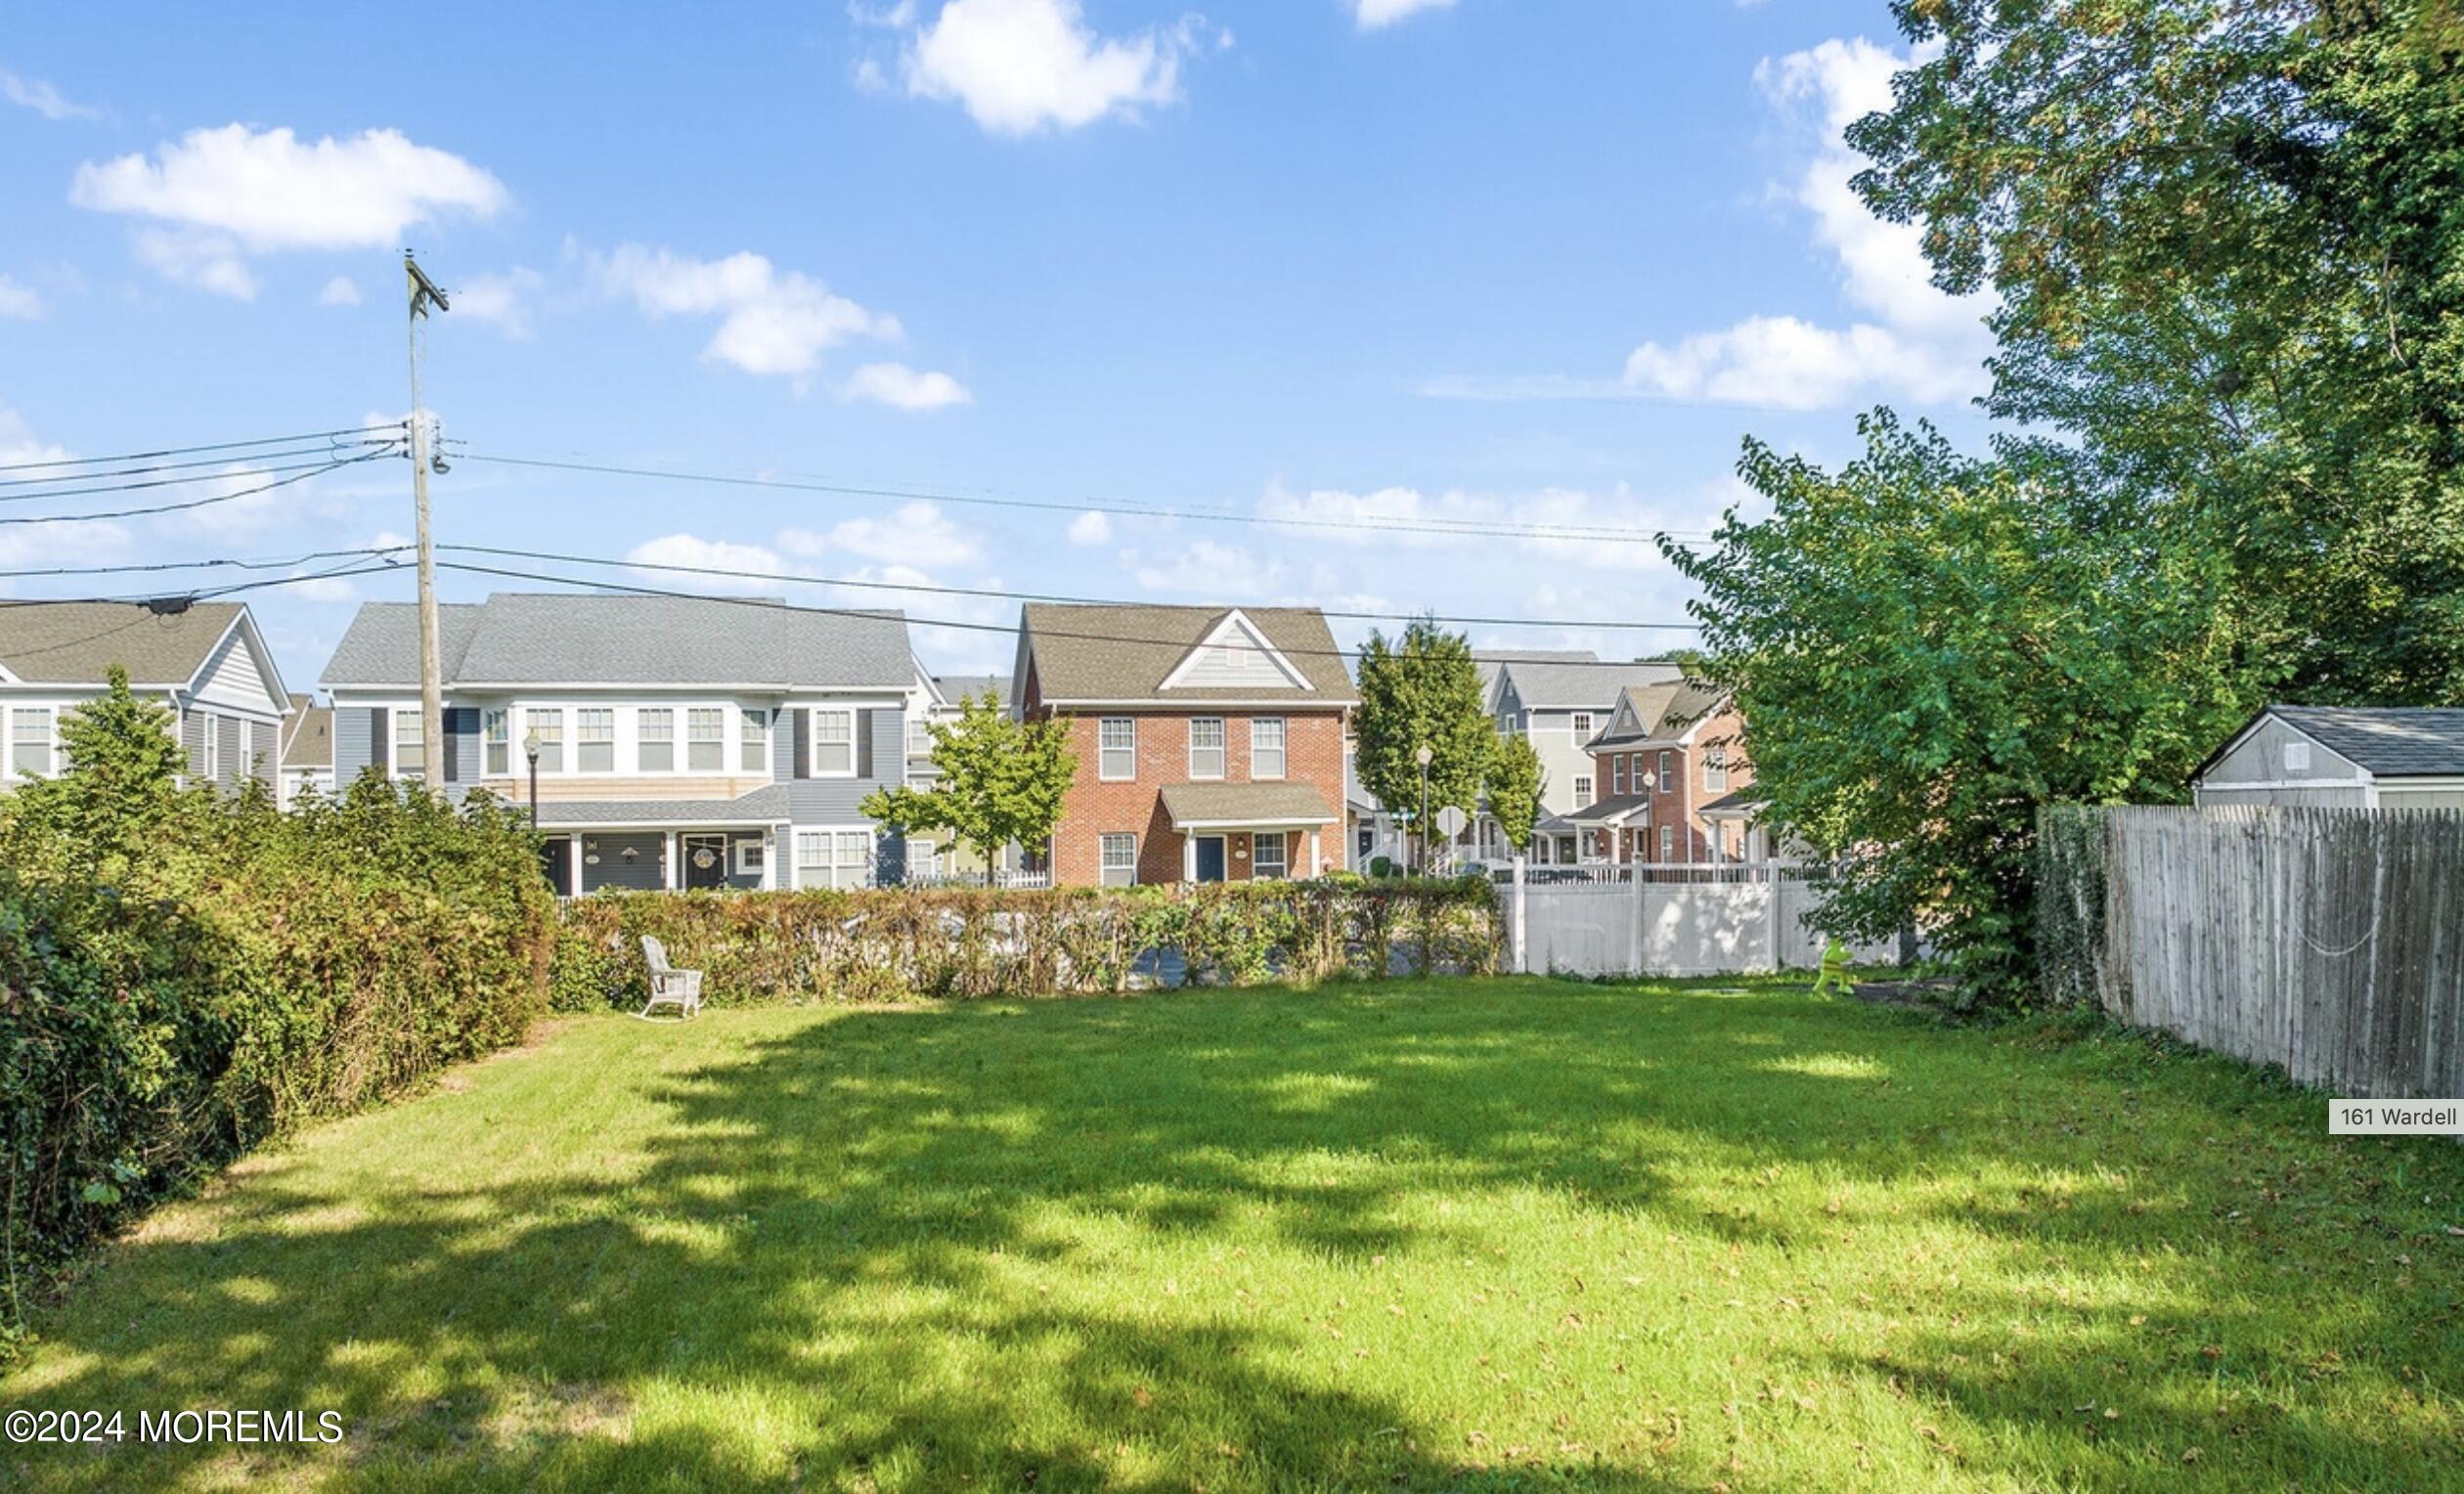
point(424, 293)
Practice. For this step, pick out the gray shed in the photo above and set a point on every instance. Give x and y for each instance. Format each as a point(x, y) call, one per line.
point(2339, 756)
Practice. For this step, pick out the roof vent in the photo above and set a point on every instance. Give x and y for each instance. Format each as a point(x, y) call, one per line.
point(2297, 756)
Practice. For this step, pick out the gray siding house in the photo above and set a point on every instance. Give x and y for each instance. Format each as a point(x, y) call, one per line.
point(1559, 704)
point(207, 665)
point(680, 743)
point(2329, 757)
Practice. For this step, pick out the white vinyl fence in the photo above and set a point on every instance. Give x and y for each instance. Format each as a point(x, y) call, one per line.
point(1670, 919)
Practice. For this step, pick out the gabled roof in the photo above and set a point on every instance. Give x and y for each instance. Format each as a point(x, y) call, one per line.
point(1245, 804)
point(77, 642)
point(308, 734)
point(555, 637)
point(956, 687)
point(1120, 654)
point(2387, 741)
point(1492, 662)
point(1589, 684)
point(1658, 715)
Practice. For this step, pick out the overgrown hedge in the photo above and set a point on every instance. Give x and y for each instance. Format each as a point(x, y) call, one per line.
point(182, 976)
point(892, 944)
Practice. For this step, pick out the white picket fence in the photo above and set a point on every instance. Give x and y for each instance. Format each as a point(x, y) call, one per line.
point(1683, 918)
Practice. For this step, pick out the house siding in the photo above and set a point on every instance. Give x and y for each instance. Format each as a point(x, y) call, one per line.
point(645, 872)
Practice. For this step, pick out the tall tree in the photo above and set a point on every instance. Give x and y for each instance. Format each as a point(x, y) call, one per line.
point(1423, 689)
point(2223, 240)
point(1514, 784)
point(1001, 781)
point(1926, 649)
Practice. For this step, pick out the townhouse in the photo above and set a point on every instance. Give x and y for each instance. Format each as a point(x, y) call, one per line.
point(1558, 702)
point(673, 742)
point(1210, 740)
point(206, 663)
point(1671, 781)
point(307, 751)
point(938, 701)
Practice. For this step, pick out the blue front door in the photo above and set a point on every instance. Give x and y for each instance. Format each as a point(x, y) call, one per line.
point(1209, 857)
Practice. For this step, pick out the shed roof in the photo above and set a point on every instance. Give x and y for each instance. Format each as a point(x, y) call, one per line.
point(2390, 741)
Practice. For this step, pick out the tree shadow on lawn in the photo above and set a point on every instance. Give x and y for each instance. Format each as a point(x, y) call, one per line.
point(879, 1250)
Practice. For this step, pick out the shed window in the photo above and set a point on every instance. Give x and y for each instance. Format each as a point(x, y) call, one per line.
point(2297, 756)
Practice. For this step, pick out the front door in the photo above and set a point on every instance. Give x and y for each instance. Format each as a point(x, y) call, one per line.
point(555, 859)
point(1209, 857)
point(705, 861)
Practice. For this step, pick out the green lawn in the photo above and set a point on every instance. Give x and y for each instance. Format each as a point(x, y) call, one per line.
point(1486, 1234)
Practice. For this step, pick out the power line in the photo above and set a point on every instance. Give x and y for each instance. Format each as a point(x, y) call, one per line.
point(153, 567)
point(168, 482)
point(1451, 528)
point(329, 450)
point(194, 503)
point(183, 450)
point(1010, 596)
point(180, 601)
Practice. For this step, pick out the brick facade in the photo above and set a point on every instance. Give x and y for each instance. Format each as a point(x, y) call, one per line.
point(1678, 805)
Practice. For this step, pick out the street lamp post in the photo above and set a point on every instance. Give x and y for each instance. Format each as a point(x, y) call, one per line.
point(1422, 758)
point(530, 747)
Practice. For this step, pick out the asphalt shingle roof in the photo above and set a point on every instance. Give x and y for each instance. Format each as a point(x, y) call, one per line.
point(545, 638)
point(308, 737)
point(762, 806)
point(1666, 709)
point(2391, 741)
point(1607, 810)
point(77, 642)
point(1582, 685)
point(1219, 804)
point(1125, 653)
point(957, 687)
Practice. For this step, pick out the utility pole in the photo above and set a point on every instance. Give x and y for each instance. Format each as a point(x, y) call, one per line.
point(424, 293)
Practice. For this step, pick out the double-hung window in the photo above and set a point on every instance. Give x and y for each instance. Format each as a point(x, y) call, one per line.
point(1117, 740)
point(1119, 860)
point(834, 743)
point(496, 743)
point(919, 736)
point(658, 738)
point(705, 739)
point(1267, 862)
point(1205, 747)
point(1616, 776)
point(1668, 842)
point(1715, 770)
point(753, 730)
point(1582, 725)
point(30, 742)
point(1266, 747)
point(547, 726)
point(409, 757)
point(594, 740)
point(1582, 789)
point(1668, 772)
point(833, 858)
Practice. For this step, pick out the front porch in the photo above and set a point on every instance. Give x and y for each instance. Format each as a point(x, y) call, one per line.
point(580, 861)
point(1240, 832)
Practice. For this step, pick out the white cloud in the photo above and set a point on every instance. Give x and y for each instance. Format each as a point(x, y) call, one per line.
point(19, 300)
point(917, 533)
point(33, 543)
point(1207, 571)
point(43, 99)
point(896, 385)
point(1370, 15)
point(338, 292)
point(771, 321)
point(1094, 527)
point(221, 194)
point(1604, 531)
point(501, 300)
point(1019, 67)
point(247, 505)
point(750, 568)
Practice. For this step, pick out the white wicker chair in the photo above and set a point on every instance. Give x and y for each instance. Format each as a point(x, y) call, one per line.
point(668, 985)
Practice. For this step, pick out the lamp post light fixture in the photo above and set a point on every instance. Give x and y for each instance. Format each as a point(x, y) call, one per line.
point(1422, 758)
point(530, 749)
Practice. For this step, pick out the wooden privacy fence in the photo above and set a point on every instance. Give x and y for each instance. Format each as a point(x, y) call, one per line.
point(1671, 920)
point(2330, 941)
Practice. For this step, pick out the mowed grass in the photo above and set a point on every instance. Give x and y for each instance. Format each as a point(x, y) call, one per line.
point(1453, 1235)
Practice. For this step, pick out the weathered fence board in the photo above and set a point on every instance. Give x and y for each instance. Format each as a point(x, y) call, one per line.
point(2330, 941)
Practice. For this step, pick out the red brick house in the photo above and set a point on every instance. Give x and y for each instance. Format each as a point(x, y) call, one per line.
point(1670, 780)
point(1210, 740)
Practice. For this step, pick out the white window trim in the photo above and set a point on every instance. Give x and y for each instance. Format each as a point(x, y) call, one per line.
point(1715, 762)
point(504, 722)
point(573, 741)
point(1282, 850)
point(642, 740)
point(830, 839)
point(1222, 748)
point(1665, 779)
point(1617, 777)
point(745, 738)
point(727, 743)
point(563, 738)
point(1582, 789)
point(1581, 724)
point(1283, 725)
point(1103, 868)
point(1102, 751)
point(51, 740)
point(753, 848)
point(812, 756)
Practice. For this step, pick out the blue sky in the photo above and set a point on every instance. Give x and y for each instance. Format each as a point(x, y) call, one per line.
point(1385, 261)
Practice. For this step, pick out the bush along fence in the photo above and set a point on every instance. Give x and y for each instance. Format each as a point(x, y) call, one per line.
point(2329, 942)
point(893, 944)
point(182, 976)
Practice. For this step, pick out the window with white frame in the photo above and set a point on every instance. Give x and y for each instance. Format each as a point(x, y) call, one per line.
point(409, 753)
point(1582, 725)
point(1266, 747)
point(833, 858)
point(919, 734)
point(496, 743)
point(547, 728)
point(1117, 738)
point(753, 730)
point(1582, 789)
point(1616, 776)
point(1668, 772)
point(656, 727)
point(1267, 859)
point(212, 772)
point(748, 858)
point(1119, 860)
point(1205, 747)
point(705, 739)
point(834, 743)
point(30, 742)
point(1668, 842)
point(594, 740)
point(1715, 770)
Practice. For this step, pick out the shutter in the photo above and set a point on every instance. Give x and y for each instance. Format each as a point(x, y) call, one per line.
point(863, 744)
point(797, 725)
point(264, 743)
point(451, 748)
point(379, 739)
point(232, 751)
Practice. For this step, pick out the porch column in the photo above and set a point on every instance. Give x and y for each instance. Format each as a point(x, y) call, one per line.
point(667, 860)
point(1313, 854)
point(1189, 857)
point(573, 863)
